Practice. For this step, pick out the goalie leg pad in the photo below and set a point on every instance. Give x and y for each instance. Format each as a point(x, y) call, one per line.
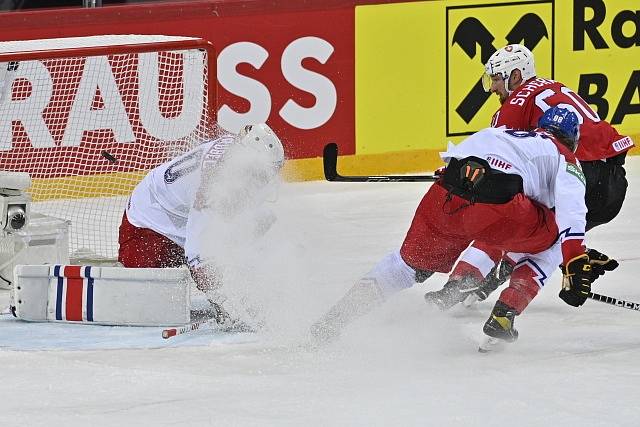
point(102, 295)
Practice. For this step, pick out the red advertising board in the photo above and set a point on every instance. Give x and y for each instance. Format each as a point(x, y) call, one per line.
point(292, 69)
point(297, 66)
point(84, 106)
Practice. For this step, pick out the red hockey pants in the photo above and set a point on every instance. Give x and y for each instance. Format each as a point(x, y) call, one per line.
point(444, 225)
point(145, 248)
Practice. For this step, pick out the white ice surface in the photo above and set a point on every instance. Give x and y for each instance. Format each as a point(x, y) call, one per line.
point(402, 365)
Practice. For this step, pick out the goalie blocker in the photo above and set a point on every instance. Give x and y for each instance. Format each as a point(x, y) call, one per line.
point(102, 295)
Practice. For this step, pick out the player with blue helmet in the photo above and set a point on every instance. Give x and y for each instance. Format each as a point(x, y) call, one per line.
point(525, 98)
point(563, 124)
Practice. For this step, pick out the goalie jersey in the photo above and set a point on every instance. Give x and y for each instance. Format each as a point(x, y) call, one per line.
point(550, 173)
point(169, 199)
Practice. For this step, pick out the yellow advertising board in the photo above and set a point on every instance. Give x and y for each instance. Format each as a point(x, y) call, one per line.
point(399, 76)
point(599, 57)
point(418, 67)
point(475, 30)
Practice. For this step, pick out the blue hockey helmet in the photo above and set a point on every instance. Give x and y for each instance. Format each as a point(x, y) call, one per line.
point(563, 124)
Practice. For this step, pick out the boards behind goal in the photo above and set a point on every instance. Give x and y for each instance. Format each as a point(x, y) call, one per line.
point(87, 117)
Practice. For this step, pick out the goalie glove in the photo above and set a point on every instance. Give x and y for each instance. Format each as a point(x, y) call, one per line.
point(576, 280)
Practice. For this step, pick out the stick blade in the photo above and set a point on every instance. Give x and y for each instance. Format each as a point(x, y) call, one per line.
point(330, 161)
point(330, 166)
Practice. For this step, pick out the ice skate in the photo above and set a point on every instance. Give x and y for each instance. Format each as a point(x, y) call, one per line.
point(498, 275)
point(499, 328)
point(452, 293)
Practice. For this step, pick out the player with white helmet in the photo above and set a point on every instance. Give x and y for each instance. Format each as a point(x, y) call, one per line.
point(492, 192)
point(168, 217)
point(503, 62)
point(524, 98)
point(563, 125)
point(261, 139)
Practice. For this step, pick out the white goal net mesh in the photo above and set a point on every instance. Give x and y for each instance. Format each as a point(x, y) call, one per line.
point(88, 118)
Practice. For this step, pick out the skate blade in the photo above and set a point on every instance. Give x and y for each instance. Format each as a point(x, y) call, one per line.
point(490, 345)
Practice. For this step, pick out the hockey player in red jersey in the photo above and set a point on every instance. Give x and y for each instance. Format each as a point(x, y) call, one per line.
point(524, 97)
point(171, 210)
point(491, 191)
point(510, 74)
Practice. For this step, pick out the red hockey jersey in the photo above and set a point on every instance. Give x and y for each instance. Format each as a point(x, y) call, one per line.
point(524, 107)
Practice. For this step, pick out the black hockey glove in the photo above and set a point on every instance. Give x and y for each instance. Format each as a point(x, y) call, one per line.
point(576, 283)
point(600, 263)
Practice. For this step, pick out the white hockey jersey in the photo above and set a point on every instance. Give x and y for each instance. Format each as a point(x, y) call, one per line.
point(550, 173)
point(164, 200)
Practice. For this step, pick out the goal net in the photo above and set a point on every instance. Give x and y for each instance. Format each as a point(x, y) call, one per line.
point(87, 117)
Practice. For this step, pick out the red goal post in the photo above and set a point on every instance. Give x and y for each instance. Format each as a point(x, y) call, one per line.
point(87, 117)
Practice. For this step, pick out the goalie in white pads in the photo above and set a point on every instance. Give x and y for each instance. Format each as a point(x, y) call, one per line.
point(165, 222)
point(517, 191)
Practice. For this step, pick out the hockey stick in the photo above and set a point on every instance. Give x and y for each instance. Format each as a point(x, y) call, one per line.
point(330, 165)
point(191, 327)
point(614, 301)
point(633, 258)
point(202, 318)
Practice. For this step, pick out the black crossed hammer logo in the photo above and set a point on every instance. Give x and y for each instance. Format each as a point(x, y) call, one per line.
point(529, 31)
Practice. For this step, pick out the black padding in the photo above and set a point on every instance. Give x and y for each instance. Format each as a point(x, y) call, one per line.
point(605, 192)
point(495, 187)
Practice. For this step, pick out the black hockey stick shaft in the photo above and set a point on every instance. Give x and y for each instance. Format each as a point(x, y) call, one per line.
point(615, 301)
point(330, 165)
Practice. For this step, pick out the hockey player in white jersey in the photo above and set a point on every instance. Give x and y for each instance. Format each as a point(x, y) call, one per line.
point(518, 191)
point(464, 282)
point(510, 74)
point(166, 218)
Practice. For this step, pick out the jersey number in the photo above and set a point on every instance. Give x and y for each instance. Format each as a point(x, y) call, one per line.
point(579, 106)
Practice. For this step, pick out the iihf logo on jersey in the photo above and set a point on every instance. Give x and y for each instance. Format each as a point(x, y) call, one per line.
point(474, 33)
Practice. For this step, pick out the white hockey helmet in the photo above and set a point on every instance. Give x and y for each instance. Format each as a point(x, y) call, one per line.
point(262, 139)
point(505, 60)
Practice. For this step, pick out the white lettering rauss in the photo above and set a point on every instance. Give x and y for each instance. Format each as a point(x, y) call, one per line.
point(97, 76)
point(294, 73)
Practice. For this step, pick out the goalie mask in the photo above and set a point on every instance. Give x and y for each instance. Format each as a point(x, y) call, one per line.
point(504, 61)
point(247, 176)
point(263, 141)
